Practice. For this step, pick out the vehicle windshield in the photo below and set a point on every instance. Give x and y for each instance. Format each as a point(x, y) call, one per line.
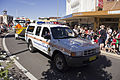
point(62, 33)
point(21, 22)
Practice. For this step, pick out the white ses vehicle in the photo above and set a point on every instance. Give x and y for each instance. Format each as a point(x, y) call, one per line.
point(61, 43)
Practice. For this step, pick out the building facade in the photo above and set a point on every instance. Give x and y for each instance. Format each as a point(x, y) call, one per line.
point(93, 13)
point(111, 4)
point(76, 6)
point(73, 6)
point(5, 19)
point(1, 19)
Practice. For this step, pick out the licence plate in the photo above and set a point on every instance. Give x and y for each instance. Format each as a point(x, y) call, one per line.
point(92, 58)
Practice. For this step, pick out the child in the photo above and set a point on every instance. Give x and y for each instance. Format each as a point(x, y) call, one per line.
point(108, 43)
point(114, 45)
point(95, 38)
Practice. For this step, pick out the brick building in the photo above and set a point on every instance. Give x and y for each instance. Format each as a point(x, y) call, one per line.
point(111, 4)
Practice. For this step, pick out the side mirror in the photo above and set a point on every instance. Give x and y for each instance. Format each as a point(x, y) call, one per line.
point(47, 37)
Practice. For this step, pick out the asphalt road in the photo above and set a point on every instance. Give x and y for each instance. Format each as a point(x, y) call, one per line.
point(40, 65)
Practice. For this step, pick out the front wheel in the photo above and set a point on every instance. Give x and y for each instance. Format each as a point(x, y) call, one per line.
point(30, 47)
point(60, 62)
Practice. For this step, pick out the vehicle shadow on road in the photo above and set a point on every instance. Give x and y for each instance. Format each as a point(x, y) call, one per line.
point(9, 36)
point(22, 43)
point(12, 54)
point(94, 71)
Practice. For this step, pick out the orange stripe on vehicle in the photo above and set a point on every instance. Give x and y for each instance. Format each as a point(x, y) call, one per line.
point(30, 36)
point(46, 42)
point(36, 39)
point(63, 49)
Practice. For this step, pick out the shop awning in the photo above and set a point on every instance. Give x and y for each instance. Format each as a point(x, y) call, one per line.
point(65, 17)
point(100, 14)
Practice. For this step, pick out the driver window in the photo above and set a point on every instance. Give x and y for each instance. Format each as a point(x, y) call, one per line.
point(45, 32)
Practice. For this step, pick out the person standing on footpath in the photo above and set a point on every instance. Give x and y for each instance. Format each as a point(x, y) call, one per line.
point(102, 37)
point(76, 29)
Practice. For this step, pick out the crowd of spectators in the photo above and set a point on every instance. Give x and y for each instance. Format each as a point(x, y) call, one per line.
point(4, 28)
point(107, 38)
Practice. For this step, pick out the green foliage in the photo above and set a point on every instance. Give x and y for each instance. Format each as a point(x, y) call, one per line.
point(4, 71)
point(4, 74)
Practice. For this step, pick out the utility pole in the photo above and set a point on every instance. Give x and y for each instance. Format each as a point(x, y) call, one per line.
point(57, 8)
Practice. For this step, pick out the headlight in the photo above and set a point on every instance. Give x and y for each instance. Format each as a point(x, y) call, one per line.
point(79, 53)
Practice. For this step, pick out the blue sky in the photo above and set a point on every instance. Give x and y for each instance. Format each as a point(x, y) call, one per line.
point(33, 8)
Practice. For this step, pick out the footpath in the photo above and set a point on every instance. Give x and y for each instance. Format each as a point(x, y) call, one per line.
point(8, 70)
point(110, 54)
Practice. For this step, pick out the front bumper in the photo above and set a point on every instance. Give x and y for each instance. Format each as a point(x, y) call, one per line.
point(81, 60)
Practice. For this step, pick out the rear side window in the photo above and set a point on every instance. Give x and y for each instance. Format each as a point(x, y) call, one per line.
point(30, 28)
point(38, 30)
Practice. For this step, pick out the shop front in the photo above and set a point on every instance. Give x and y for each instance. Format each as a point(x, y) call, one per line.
point(110, 22)
point(94, 19)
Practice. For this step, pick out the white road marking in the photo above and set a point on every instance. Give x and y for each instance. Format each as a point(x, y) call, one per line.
point(25, 71)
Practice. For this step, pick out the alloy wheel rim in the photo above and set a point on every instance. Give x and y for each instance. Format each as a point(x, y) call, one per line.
point(59, 63)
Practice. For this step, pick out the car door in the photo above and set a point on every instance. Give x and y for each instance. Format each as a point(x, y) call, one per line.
point(37, 40)
point(29, 32)
point(45, 42)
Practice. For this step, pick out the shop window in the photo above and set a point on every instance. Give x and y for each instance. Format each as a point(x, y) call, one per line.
point(109, 19)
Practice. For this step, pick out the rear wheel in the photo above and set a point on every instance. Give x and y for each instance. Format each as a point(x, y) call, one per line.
point(30, 47)
point(60, 62)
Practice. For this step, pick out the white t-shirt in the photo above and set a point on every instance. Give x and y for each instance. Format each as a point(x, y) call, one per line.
point(76, 31)
point(108, 36)
point(110, 31)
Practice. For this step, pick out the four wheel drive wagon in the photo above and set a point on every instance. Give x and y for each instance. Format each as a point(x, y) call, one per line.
point(61, 43)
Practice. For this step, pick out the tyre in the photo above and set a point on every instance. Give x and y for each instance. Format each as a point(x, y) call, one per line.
point(30, 47)
point(60, 62)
